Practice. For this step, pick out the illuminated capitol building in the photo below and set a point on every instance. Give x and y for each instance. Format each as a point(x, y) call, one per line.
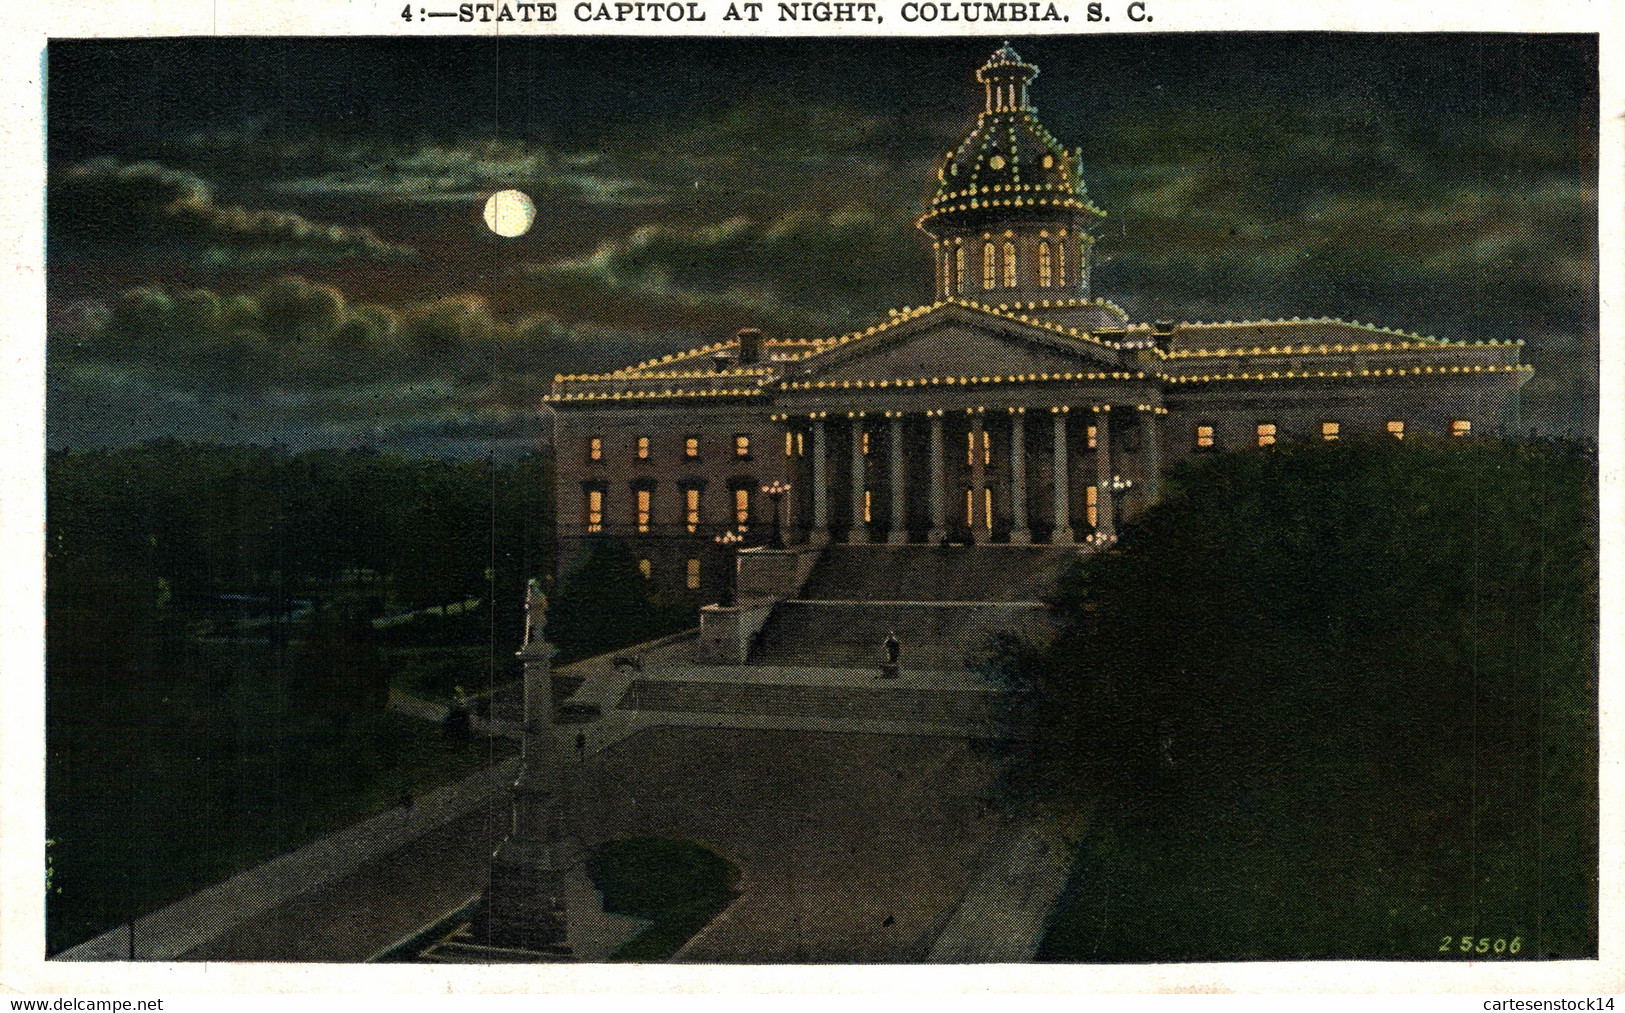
point(1016, 408)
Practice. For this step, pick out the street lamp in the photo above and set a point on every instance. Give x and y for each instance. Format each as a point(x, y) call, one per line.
point(1116, 484)
point(728, 540)
point(776, 491)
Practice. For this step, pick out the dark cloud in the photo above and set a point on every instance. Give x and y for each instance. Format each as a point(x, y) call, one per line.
point(804, 272)
point(103, 207)
point(300, 362)
point(436, 173)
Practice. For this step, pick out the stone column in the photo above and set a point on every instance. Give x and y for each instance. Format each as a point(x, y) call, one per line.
point(898, 535)
point(1105, 498)
point(1153, 455)
point(1019, 535)
point(820, 532)
point(859, 535)
point(1063, 495)
point(525, 901)
point(939, 529)
point(978, 480)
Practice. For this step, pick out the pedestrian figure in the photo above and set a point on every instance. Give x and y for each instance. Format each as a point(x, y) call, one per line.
point(888, 670)
point(581, 746)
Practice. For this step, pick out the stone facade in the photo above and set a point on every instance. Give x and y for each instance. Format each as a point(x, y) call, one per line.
point(1015, 408)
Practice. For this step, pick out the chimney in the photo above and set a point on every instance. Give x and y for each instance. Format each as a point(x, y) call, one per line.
point(750, 345)
point(1162, 333)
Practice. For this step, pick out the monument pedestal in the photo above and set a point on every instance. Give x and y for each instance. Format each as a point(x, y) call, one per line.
point(525, 906)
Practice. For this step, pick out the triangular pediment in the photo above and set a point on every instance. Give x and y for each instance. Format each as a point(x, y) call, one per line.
point(959, 341)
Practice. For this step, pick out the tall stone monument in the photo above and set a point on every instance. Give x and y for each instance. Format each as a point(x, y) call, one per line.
point(525, 905)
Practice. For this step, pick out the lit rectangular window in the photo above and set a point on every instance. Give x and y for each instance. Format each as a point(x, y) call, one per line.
point(970, 447)
point(987, 447)
point(867, 513)
point(595, 510)
point(643, 448)
point(987, 507)
point(694, 575)
point(644, 499)
point(1461, 427)
point(1330, 430)
point(741, 445)
point(801, 445)
point(691, 503)
point(789, 444)
point(865, 443)
point(742, 508)
point(1094, 437)
point(595, 449)
point(646, 568)
point(970, 508)
point(1204, 437)
point(1091, 505)
point(691, 447)
point(1396, 429)
point(1266, 434)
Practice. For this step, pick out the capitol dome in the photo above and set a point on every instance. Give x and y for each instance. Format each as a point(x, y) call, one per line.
point(1011, 213)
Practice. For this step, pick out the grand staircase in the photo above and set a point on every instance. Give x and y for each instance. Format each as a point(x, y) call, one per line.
point(942, 603)
point(816, 665)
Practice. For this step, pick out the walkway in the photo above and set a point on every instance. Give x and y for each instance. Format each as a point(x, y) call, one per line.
point(1003, 916)
point(190, 924)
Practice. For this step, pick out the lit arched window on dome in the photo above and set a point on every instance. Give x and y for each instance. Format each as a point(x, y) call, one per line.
point(990, 268)
point(1009, 264)
point(1046, 265)
point(947, 274)
point(959, 268)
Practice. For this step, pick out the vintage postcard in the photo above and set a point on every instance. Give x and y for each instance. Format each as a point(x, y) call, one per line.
point(537, 492)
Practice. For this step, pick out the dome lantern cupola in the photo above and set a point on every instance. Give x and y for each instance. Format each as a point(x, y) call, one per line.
point(1011, 216)
point(1005, 76)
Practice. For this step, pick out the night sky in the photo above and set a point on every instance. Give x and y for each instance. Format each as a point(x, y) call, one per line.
point(281, 240)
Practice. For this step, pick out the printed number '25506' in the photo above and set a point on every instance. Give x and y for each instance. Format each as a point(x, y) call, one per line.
point(1481, 944)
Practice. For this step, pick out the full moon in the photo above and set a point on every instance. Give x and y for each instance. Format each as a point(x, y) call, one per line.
point(509, 213)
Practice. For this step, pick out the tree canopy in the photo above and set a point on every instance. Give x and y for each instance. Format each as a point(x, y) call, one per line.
point(1332, 699)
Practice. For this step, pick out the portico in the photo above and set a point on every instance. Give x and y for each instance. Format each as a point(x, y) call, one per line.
point(979, 474)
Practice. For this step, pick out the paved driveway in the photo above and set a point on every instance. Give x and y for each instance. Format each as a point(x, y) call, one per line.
point(853, 848)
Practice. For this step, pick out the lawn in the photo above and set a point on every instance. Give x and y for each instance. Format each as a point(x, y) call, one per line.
point(678, 885)
point(160, 785)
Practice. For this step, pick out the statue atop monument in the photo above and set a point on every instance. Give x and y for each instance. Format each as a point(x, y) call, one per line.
point(535, 614)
